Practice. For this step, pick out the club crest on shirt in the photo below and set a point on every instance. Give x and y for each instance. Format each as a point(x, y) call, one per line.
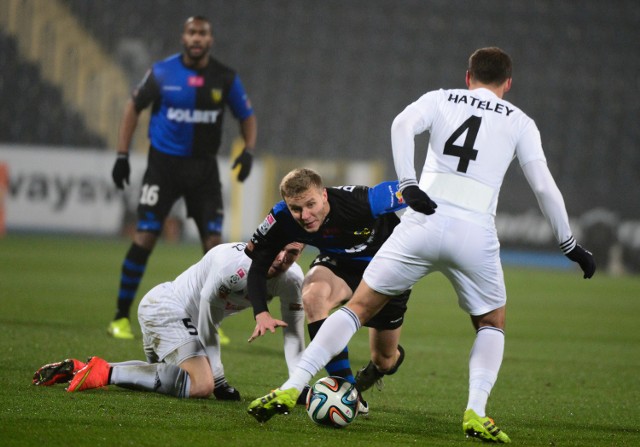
point(266, 224)
point(216, 95)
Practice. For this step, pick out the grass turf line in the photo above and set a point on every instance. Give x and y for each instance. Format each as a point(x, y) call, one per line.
point(569, 377)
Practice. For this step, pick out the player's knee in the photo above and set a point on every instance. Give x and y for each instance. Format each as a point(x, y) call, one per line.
point(201, 389)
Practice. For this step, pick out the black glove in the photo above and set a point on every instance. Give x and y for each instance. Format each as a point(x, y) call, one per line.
point(418, 200)
point(121, 171)
point(245, 160)
point(585, 259)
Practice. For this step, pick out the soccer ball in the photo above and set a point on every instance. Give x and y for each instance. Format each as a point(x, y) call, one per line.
point(332, 401)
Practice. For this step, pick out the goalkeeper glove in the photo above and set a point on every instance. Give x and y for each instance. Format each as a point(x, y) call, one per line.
point(245, 160)
point(585, 259)
point(121, 171)
point(418, 200)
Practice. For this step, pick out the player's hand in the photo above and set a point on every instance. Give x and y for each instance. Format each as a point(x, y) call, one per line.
point(245, 160)
point(121, 171)
point(585, 259)
point(265, 322)
point(418, 200)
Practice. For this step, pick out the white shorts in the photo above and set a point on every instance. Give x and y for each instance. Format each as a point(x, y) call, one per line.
point(169, 334)
point(466, 253)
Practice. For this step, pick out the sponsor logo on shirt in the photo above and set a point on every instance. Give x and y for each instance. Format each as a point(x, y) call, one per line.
point(195, 81)
point(266, 224)
point(192, 116)
point(237, 276)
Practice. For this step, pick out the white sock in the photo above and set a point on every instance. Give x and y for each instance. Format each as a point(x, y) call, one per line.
point(129, 363)
point(140, 376)
point(331, 339)
point(156, 377)
point(484, 365)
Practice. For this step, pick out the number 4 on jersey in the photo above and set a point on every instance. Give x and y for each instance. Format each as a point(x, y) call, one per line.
point(465, 152)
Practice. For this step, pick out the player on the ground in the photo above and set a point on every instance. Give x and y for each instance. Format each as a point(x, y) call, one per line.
point(188, 94)
point(347, 224)
point(474, 136)
point(180, 321)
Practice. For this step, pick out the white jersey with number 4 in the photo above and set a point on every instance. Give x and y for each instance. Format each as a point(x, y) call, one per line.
point(474, 137)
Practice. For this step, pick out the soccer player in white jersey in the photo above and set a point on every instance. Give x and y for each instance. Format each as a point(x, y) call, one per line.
point(474, 136)
point(179, 322)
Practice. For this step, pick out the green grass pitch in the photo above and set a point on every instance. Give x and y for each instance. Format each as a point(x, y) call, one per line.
point(570, 376)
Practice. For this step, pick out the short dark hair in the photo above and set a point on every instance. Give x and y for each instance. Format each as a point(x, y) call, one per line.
point(197, 18)
point(490, 65)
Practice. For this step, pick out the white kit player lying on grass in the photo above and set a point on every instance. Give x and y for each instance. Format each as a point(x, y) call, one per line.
point(179, 322)
point(474, 136)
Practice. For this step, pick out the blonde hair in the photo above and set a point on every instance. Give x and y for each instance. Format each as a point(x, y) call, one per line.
point(298, 181)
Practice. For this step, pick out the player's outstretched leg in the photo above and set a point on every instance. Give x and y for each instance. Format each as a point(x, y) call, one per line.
point(95, 374)
point(58, 372)
point(370, 375)
point(483, 428)
point(276, 402)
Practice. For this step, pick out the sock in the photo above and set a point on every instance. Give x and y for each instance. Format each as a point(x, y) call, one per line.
point(129, 363)
point(159, 377)
point(220, 382)
point(484, 365)
point(338, 365)
point(333, 336)
point(133, 268)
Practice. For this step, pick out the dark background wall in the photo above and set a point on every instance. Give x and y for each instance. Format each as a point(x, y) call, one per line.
point(326, 78)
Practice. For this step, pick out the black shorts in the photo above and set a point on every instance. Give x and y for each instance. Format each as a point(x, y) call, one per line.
point(168, 178)
point(391, 316)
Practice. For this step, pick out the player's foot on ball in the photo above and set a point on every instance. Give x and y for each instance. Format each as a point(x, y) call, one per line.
point(58, 372)
point(226, 392)
point(483, 428)
point(120, 328)
point(363, 407)
point(95, 374)
point(276, 402)
point(370, 375)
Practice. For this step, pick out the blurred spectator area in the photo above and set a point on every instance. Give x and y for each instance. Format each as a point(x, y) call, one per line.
point(326, 78)
point(33, 110)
